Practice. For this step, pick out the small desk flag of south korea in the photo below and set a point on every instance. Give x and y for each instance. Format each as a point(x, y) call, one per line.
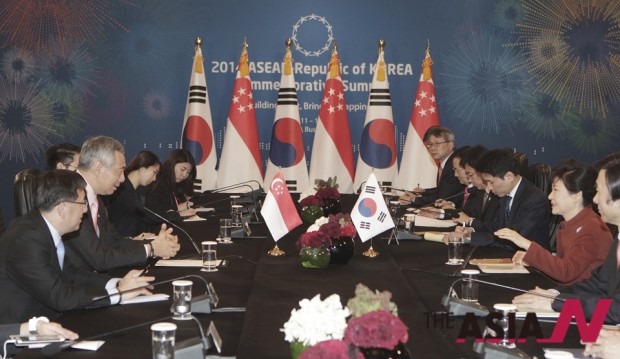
point(370, 214)
point(279, 210)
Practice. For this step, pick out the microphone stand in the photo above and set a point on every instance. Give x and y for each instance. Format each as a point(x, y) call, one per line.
point(167, 221)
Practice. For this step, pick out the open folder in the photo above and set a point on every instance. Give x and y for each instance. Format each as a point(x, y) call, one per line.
point(499, 265)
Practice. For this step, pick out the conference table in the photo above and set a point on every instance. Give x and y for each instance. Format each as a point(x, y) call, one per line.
point(269, 287)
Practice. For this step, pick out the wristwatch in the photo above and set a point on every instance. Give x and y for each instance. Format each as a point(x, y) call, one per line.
point(32, 324)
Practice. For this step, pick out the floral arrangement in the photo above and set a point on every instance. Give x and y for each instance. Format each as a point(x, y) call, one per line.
point(374, 324)
point(334, 225)
point(314, 240)
point(376, 329)
point(366, 301)
point(316, 321)
point(323, 190)
point(332, 349)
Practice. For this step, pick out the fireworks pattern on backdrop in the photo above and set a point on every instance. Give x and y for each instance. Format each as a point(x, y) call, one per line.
point(18, 65)
point(25, 121)
point(572, 51)
point(482, 91)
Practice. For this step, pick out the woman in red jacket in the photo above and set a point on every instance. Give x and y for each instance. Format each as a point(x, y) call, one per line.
point(583, 239)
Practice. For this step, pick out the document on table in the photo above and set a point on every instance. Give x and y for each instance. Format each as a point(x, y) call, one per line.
point(434, 236)
point(421, 221)
point(190, 263)
point(523, 312)
point(204, 209)
point(147, 298)
point(499, 265)
point(194, 218)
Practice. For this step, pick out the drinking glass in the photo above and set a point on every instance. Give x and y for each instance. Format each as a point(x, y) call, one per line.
point(182, 299)
point(162, 340)
point(225, 225)
point(455, 250)
point(209, 256)
point(469, 288)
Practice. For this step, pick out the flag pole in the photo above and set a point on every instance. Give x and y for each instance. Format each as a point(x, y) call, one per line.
point(276, 251)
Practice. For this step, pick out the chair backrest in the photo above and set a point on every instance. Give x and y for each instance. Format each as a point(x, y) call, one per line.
point(24, 189)
point(2, 226)
point(540, 176)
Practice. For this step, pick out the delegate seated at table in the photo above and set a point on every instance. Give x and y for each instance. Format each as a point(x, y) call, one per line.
point(170, 194)
point(36, 277)
point(97, 245)
point(605, 280)
point(583, 239)
point(36, 326)
point(440, 142)
point(523, 207)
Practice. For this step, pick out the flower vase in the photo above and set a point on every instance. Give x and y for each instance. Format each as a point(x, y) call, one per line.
point(341, 250)
point(331, 206)
point(297, 348)
point(310, 214)
point(399, 352)
point(312, 257)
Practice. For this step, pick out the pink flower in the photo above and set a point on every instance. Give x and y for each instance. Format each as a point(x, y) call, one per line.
point(330, 349)
point(376, 329)
point(330, 229)
point(313, 239)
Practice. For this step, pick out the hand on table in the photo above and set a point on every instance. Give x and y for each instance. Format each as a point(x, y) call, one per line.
point(133, 280)
point(607, 344)
point(536, 302)
point(165, 245)
point(514, 237)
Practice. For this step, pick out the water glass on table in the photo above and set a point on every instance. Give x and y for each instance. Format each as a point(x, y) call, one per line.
point(209, 256)
point(182, 299)
point(162, 340)
point(455, 250)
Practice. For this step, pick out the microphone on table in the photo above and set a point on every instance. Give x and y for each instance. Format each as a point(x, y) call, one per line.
point(459, 307)
point(444, 199)
point(359, 189)
point(200, 304)
point(253, 194)
point(176, 226)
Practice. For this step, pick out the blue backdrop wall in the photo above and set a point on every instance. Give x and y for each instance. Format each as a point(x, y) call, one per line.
point(508, 73)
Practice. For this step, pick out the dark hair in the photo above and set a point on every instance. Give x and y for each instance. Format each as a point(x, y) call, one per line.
point(498, 162)
point(143, 159)
point(57, 186)
point(438, 131)
point(63, 153)
point(461, 152)
point(613, 157)
point(612, 177)
point(186, 187)
point(472, 156)
point(577, 177)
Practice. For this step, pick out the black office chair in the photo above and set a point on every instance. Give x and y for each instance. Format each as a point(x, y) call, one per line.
point(24, 189)
point(2, 227)
point(540, 176)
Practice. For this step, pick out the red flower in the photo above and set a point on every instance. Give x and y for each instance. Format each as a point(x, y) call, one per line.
point(330, 229)
point(311, 200)
point(347, 229)
point(328, 193)
point(376, 329)
point(330, 349)
point(313, 239)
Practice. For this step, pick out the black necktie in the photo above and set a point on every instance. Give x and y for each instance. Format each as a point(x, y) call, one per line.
point(506, 201)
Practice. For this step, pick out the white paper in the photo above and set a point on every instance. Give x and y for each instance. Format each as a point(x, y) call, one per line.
point(503, 268)
point(147, 298)
point(421, 221)
point(190, 263)
point(194, 219)
point(91, 345)
point(203, 209)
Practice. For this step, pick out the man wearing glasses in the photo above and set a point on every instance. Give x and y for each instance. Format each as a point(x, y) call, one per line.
point(36, 277)
point(440, 143)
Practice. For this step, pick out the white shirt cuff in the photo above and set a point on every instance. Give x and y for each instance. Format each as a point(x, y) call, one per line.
point(110, 287)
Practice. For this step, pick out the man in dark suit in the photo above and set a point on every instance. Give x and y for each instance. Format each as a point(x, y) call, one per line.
point(97, 245)
point(440, 142)
point(481, 206)
point(34, 326)
point(605, 280)
point(523, 207)
point(36, 276)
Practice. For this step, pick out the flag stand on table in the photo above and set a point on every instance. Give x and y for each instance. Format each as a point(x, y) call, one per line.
point(370, 253)
point(279, 212)
point(370, 214)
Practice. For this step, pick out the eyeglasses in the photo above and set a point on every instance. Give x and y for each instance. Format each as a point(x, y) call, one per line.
point(70, 167)
point(469, 176)
point(84, 202)
point(436, 144)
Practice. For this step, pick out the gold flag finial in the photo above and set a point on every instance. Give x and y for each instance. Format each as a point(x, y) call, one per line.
point(334, 63)
point(427, 72)
point(198, 66)
point(381, 64)
point(288, 58)
point(244, 70)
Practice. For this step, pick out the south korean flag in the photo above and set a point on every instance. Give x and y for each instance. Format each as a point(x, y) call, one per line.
point(370, 214)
